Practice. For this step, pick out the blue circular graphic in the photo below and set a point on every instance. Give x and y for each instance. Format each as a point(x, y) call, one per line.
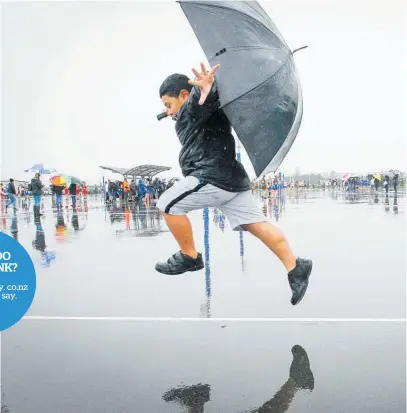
point(17, 281)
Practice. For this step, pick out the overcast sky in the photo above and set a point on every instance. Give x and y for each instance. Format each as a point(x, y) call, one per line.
point(80, 83)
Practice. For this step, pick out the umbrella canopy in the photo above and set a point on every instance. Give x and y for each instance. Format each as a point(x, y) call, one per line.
point(41, 169)
point(392, 172)
point(377, 176)
point(59, 180)
point(257, 82)
point(76, 181)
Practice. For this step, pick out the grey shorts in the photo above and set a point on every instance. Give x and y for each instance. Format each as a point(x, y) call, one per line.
point(190, 194)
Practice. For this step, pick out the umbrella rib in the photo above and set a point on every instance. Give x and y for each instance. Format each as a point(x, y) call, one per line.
point(268, 17)
point(240, 48)
point(235, 11)
point(255, 87)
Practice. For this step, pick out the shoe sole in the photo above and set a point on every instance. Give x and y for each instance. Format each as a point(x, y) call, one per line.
point(197, 268)
point(304, 287)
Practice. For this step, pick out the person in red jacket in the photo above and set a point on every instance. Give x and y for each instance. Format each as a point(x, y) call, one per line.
point(85, 190)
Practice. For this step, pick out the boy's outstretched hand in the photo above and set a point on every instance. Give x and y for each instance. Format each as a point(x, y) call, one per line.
point(204, 81)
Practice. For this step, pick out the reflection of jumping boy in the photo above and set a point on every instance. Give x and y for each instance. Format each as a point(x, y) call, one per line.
point(300, 378)
point(193, 397)
point(214, 178)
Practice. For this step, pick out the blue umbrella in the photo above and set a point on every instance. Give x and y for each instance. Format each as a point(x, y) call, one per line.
point(41, 169)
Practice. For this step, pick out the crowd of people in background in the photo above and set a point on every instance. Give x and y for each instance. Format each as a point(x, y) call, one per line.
point(270, 186)
point(142, 190)
point(73, 191)
point(148, 191)
point(36, 190)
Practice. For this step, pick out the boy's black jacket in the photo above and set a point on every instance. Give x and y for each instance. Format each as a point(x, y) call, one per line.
point(208, 147)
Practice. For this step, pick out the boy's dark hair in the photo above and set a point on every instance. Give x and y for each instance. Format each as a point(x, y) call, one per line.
point(173, 85)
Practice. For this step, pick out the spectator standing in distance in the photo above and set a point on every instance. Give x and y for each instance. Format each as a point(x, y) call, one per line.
point(12, 195)
point(37, 190)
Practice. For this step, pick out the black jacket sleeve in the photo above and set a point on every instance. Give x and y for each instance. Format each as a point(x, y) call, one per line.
point(200, 113)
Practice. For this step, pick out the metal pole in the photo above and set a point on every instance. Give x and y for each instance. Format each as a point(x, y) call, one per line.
point(238, 157)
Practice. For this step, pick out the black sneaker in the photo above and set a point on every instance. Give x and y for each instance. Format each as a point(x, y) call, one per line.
point(300, 370)
point(298, 279)
point(180, 263)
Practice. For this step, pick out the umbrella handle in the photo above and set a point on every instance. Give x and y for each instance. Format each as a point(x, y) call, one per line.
point(299, 48)
point(162, 116)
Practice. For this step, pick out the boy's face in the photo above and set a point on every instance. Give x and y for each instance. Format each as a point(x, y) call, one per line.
point(173, 104)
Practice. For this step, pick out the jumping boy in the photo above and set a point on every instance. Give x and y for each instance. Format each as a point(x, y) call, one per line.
point(214, 178)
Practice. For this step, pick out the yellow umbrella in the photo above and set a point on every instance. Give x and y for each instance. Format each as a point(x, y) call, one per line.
point(59, 180)
point(377, 176)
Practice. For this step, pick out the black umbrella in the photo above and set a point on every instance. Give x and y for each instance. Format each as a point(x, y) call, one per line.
point(257, 82)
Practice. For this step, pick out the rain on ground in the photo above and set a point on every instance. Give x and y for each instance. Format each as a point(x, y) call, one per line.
point(99, 262)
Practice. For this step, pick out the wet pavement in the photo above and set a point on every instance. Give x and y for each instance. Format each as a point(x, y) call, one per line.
point(205, 366)
point(99, 261)
point(205, 352)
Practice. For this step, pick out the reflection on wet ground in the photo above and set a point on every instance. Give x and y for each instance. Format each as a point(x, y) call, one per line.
point(97, 254)
point(204, 367)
